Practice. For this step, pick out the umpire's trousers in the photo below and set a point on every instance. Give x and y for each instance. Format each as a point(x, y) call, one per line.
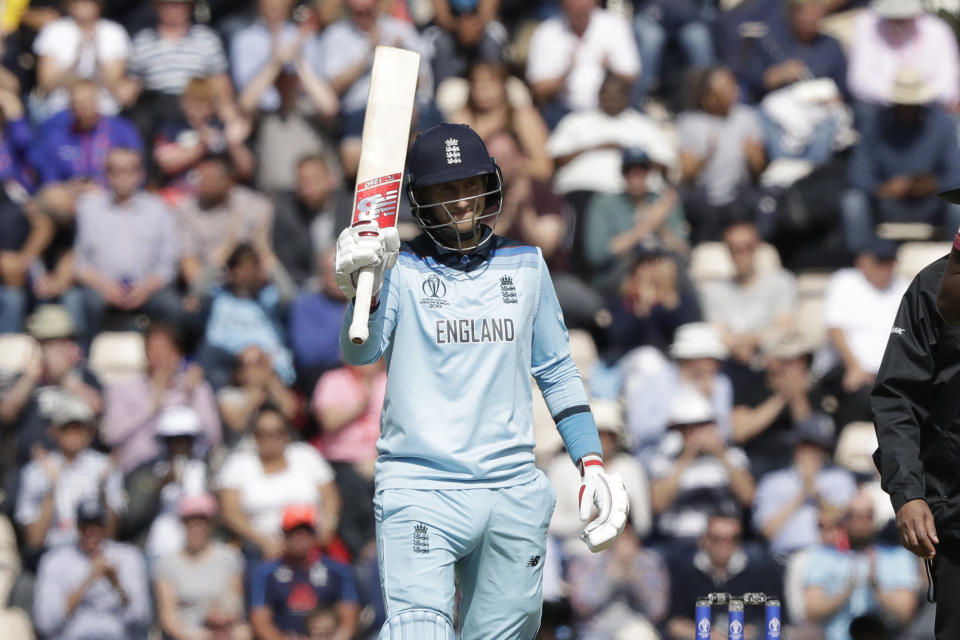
point(946, 579)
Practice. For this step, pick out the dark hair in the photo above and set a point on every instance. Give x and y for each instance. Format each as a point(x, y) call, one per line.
point(312, 157)
point(697, 86)
point(222, 159)
point(170, 331)
point(241, 252)
point(264, 409)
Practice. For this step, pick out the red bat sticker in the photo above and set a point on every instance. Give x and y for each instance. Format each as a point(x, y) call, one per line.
point(377, 199)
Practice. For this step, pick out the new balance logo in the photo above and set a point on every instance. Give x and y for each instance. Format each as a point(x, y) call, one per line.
point(533, 561)
point(421, 539)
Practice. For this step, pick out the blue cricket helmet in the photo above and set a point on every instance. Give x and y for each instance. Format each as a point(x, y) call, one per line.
point(444, 153)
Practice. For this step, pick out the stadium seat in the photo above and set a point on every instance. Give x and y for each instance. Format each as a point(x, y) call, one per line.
point(117, 355)
point(914, 256)
point(15, 349)
point(711, 261)
point(583, 350)
point(906, 231)
point(811, 289)
point(855, 447)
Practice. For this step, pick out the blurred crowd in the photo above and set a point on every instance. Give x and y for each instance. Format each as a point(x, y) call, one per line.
point(732, 196)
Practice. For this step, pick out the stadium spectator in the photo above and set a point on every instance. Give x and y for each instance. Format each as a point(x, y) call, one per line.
point(81, 46)
point(55, 482)
point(199, 590)
point(623, 591)
point(285, 591)
point(587, 144)
point(94, 589)
point(647, 212)
point(718, 564)
point(74, 145)
point(13, 620)
point(904, 158)
point(565, 524)
point(570, 54)
point(26, 235)
point(254, 384)
point(497, 101)
point(695, 471)
point(313, 325)
point(324, 624)
point(133, 407)
point(125, 258)
point(244, 312)
point(657, 23)
point(302, 126)
point(464, 31)
point(52, 274)
point(164, 60)
point(256, 486)
point(16, 139)
point(721, 151)
point(155, 488)
point(271, 37)
point(650, 382)
point(344, 54)
point(192, 132)
point(54, 368)
point(859, 308)
point(892, 34)
point(768, 407)
point(307, 220)
point(220, 216)
point(752, 305)
point(788, 500)
point(870, 580)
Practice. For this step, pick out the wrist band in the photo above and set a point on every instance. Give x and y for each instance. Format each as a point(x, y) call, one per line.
point(589, 461)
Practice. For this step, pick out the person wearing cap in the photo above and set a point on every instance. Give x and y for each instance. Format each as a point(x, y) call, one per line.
point(870, 580)
point(907, 153)
point(751, 304)
point(199, 589)
point(787, 501)
point(914, 405)
point(463, 318)
point(649, 210)
point(770, 405)
point(565, 524)
point(55, 366)
point(132, 407)
point(695, 471)
point(859, 308)
point(54, 482)
point(892, 33)
point(285, 591)
point(95, 588)
point(652, 382)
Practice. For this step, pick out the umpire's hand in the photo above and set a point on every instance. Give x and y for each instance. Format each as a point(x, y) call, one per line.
point(917, 531)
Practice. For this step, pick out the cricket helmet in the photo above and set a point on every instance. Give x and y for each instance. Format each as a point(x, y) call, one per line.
point(445, 153)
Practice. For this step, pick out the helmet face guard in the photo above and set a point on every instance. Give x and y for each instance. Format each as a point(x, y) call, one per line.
point(436, 220)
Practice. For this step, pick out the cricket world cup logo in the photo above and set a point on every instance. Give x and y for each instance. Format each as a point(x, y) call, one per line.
point(736, 630)
point(773, 628)
point(434, 287)
point(703, 628)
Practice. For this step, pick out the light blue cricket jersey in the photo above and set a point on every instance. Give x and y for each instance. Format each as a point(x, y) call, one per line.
point(461, 336)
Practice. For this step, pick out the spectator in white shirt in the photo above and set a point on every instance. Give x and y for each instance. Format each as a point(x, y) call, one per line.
point(859, 310)
point(81, 45)
point(570, 54)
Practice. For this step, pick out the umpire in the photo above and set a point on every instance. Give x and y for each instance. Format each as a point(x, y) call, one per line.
point(916, 409)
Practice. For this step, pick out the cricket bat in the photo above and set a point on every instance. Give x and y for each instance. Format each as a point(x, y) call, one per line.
point(383, 152)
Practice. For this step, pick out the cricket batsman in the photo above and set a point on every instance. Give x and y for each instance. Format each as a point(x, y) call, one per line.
point(463, 317)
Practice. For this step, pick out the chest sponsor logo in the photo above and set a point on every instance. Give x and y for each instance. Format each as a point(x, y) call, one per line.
point(475, 330)
point(508, 291)
point(434, 293)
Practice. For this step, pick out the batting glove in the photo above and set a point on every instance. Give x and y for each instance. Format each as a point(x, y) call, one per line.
point(606, 492)
point(362, 245)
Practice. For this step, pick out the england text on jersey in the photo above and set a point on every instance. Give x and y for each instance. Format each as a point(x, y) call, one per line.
point(474, 330)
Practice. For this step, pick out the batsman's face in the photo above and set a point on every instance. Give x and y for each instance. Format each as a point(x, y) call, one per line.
point(458, 201)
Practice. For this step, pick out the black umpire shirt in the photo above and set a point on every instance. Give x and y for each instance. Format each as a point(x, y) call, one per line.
point(916, 406)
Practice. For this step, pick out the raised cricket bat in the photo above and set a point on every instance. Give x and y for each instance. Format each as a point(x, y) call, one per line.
point(383, 152)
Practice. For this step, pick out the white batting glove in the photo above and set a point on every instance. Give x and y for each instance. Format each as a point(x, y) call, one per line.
point(606, 492)
point(364, 244)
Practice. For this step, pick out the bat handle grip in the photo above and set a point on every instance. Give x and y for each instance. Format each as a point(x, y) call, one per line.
point(359, 331)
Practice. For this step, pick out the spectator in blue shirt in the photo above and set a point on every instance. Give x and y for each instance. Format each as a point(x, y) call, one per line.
point(313, 326)
point(285, 592)
point(74, 145)
point(906, 155)
point(15, 143)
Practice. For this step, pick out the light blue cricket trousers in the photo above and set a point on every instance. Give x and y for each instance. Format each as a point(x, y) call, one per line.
point(492, 541)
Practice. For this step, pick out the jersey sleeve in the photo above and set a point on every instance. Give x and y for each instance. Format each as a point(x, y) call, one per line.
point(382, 322)
point(557, 375)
